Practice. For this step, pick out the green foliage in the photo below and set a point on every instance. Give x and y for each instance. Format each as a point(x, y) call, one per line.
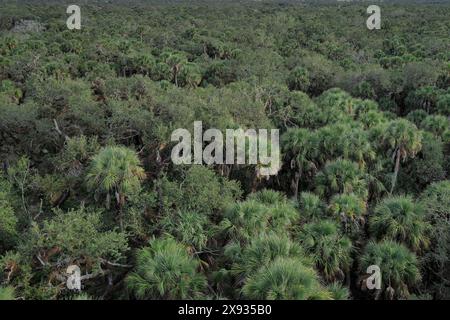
point(82, 297)
point(197, 184)
point(399, 218)
point(341, 176)
point(8, 219)
point(403, 135)
point(8, 89)
point(350, 210)
point(165, 270)
point(7, 293)
point(115, 171)
point(417, 116)
point(28, 282)
point(336, 103)
point(435, 199)
point(285, 279)
point(190, 228)
point(298, 79)
point(424, 98)
point(419, 74)
point(268, 197)
point(86, 123)
point(247, 219)
point(77, 152)
point(190, 75)
point(443, 104)
point(75, 236)
point(338, 292)
point(399, 267)
point(404, 140)
point(321, 72)
point(261, 251)
point(311, 207)
point(19, 176)
point(436, 124)
point(427, 167)
point(300, 149)
point(330, 251)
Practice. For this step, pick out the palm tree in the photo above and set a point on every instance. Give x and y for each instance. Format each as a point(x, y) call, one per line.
point(436, 124)
point(261, 251)
point(281, 216)
point(343, 139)
point(175, 61)
point(417, 116)
point(268, 197)
point(298, 79)
point(190, 75)
point(330, 251)
point(144, 64)
point(399, 267)
point(357, 147)
point(244, 220)
point(341, 176)
point(350, 210)
point(299, 146)
point(161, 72)
point(406, 141)
point(311, 206)
point(330, 142)
point(399, 218)
point(338, 292)
point(188, 227)
point(165, 270)
point(115, 170)
point(436, 202)
point(372, 119)
point(250, 218)
point(443, 103)
point(423, 98)
point(285, 279)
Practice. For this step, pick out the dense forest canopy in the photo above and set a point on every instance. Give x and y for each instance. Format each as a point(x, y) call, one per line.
point(87, 180)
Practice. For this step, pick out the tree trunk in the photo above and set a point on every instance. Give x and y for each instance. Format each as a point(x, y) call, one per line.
point(120, 218)
point(120, 201)
point(295, 183)
point(176, 69)
point(397, 168)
